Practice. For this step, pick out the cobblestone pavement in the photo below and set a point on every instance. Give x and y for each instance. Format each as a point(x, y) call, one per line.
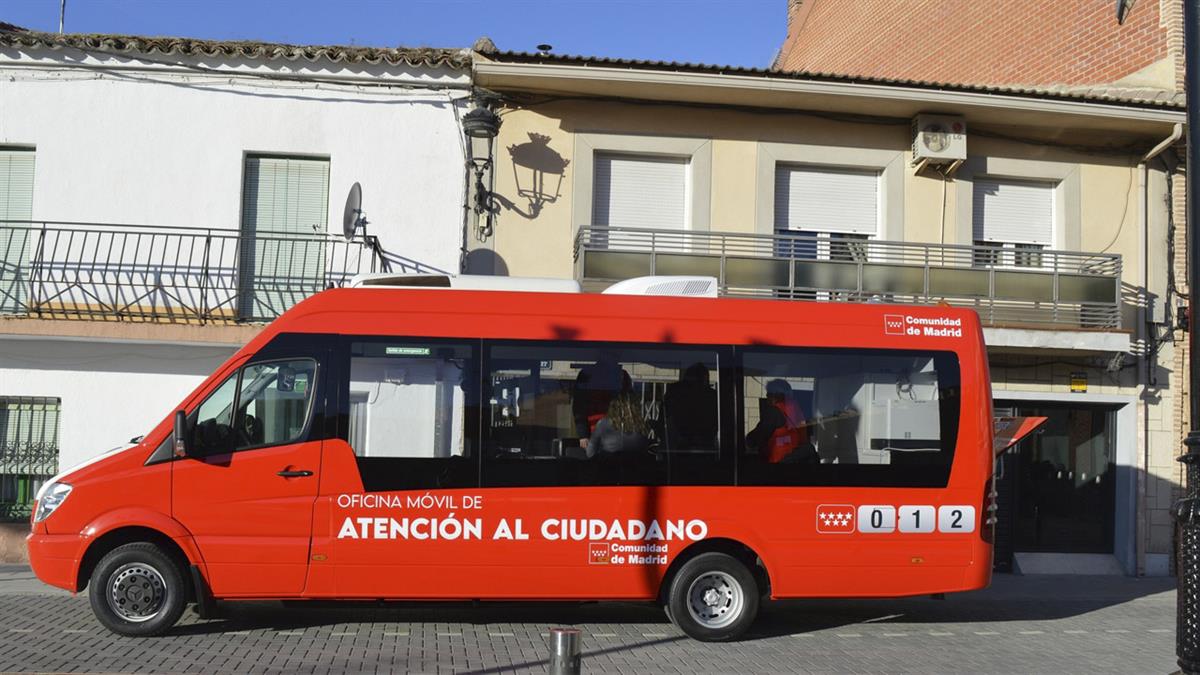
point(1020, 625)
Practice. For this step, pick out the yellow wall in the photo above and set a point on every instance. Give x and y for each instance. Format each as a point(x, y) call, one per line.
point(542, 245)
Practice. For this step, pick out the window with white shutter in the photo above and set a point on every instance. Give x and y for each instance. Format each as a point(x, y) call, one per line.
point(836, 207)
point(640, 191)
point(1016, 217)
point(285, 206)
point(16, 203)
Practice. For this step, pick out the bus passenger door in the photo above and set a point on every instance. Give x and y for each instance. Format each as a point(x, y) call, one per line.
point(247, 488)
point(398, 512)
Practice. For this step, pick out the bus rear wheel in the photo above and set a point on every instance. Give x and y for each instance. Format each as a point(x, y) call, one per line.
point(137, 590)
point(713, 598)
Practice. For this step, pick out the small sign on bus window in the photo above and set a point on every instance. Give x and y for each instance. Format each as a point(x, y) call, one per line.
point(408, 351)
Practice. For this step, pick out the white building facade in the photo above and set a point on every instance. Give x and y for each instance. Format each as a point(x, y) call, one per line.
point(161, 198)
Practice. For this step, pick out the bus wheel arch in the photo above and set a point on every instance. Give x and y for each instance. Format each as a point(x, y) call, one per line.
point(732, 547)
point(120, 536)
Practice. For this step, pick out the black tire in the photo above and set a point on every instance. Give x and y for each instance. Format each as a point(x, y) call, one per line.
point(137, 590)
point(713, 598)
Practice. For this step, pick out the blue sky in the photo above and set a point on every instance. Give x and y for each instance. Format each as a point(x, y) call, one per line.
point(737, 32)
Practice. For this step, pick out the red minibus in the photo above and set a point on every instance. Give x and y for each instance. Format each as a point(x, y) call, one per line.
point(442, 444)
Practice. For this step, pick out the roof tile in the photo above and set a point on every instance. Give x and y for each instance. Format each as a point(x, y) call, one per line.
point(14, 36)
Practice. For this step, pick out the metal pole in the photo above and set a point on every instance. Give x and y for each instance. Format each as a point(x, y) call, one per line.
point(1187, 510)
point(62, 15)
point(565, 658)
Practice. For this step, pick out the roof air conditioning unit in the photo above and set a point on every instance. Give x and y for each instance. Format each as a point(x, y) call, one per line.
point(699, 287)
point(939, 140)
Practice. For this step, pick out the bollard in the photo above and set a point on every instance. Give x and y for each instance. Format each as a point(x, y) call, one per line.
point(565, 658)
point(1187, 513)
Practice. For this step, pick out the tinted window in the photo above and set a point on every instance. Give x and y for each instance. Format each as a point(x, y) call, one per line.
point(848, 417)
point(213, 428)
point(409, 404)
point(601, 414)
point(273, 402)
point(262, 404)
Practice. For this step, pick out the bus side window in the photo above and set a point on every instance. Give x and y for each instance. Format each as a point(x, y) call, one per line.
point(598, 413)
point(846, 417)
point(261, 405)
point(274, 402)
point(409, 406)
point(212, 426)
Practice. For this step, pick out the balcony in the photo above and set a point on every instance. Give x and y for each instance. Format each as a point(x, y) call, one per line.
point(1009, 289)
point(105, 272)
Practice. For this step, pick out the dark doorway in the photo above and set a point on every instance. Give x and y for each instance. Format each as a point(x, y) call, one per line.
point(1057, 488)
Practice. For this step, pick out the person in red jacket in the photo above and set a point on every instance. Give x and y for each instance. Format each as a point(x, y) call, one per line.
point(781, 429)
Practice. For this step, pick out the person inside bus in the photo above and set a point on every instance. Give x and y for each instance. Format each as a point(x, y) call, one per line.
point(781, 433)
point(690, 407)
point(596, 385)
point(623, 429)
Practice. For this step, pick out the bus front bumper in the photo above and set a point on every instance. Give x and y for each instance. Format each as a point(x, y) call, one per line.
point(53, 558)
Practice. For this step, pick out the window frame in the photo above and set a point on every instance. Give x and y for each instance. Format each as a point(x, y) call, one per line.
point(1066, 231)
point(302, 436)
point(751, 472)
point(889, 164)
point(720, 473)
point(696, 151)
point(467, 466)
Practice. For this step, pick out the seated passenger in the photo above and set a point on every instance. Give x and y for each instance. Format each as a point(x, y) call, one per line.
point(781, 430)
point(623, 429)
point(690, 407)
point(595, 386)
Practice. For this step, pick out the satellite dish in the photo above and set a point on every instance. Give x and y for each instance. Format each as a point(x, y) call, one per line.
point(352, 216)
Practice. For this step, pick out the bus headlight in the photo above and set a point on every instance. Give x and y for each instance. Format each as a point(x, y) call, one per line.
point(49, 498)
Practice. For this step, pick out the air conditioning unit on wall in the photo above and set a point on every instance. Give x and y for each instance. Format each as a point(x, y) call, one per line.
point(939, 140)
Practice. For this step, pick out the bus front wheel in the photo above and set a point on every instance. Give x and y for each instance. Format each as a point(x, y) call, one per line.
point(713, 598)
point(137, 590)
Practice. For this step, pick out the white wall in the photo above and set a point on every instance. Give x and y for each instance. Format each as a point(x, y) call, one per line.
point(152, 146)
point(110, 392)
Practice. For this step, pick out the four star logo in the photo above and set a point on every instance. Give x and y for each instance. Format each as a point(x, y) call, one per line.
point(835, 518)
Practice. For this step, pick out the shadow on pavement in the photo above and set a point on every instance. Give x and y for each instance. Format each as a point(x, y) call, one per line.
point(1011, 598)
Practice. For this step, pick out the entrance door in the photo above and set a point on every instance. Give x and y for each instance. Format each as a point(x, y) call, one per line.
point(1058, 486)
point(247, 496)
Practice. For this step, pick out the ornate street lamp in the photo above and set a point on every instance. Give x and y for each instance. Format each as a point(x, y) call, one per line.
point(481, 126)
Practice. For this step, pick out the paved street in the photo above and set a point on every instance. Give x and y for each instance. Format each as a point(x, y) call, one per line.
point(1020, 625)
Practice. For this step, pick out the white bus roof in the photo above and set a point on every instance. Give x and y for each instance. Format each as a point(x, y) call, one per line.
point(471, 282)
point(652, 285)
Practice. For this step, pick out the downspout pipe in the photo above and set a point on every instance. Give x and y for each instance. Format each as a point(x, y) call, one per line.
point(1149, 354)
point(1176, 134)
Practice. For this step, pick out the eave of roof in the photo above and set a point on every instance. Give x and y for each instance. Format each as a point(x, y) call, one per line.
point(1135, 97)
point(132, 45)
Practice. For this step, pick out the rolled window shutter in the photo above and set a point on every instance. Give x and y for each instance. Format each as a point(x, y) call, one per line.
point(631, 191)
point(285, 206)
point(16, 184)
point(16, 203)
point(824, 199)
point(1012, 211)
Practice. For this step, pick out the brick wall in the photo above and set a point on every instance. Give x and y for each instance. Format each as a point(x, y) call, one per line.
point(1030, 42)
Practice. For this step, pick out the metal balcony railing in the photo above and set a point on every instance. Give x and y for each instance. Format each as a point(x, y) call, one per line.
point(176, 275)
point(1005, 286)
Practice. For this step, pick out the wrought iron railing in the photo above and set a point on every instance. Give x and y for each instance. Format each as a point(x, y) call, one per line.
point(1006, 287)
point(167, 274)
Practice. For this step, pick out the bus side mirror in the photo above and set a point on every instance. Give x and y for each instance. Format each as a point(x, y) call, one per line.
point(181, 435)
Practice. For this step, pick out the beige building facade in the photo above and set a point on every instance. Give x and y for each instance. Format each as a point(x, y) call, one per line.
point(1059, 225)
